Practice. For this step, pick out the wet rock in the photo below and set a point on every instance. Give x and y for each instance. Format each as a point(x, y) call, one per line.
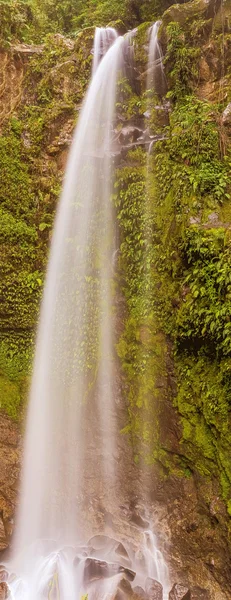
point(179, 592)
point(124, 590)
point(4, 591)
point(99, 569)
point(140, 593)
point(226, 115)
point(154, 589)
point(130, 134)
point(122, 552)
point(198, 593)
point(129, 574)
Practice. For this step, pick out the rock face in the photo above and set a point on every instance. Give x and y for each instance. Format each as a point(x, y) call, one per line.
point(154, 589)
point(179, 592)
point(198, 593)
point(9, 475)
point(140, 592)
point(99, 569)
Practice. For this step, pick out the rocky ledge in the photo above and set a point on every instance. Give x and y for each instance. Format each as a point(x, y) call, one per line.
point(113, 578)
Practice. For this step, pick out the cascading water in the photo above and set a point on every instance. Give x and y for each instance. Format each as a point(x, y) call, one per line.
point(155, 76)
point(71, 453)
point(104, 38)
point(74, 346)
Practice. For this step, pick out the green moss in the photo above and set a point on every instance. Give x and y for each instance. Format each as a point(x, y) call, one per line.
point(192, 259)
point(181, 60)
point(29, 187)
point(10, 395)
point(141, 347)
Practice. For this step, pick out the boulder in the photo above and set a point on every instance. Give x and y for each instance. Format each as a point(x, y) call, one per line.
point(100, 569)
point(140, 593)
point(153, 589)
point(124, 590)
point(121, 551)
point(226, 115)
point(179, 592)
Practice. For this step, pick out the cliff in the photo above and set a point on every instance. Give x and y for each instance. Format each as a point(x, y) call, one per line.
point(174, 335)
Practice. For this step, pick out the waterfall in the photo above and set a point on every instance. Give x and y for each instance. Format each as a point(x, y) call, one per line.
point(104, 38)
point(155, 75)
point(74, 345)
point(73, 467)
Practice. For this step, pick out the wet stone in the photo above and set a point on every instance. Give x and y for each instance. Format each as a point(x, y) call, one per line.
point(124, 590)
point(99, 569)
point(121, 552)
point(153, 589)
point(179, 592)
point(140, 593)
point(3, 591)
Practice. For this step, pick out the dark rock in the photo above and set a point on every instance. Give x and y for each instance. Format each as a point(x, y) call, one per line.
point(124, 590)
point(138, 590)
point(198, 593)
point(153, 589)
point(129, 574)
point(129, 133)
point(98, 569)
point(179, 592)
point(192, 527)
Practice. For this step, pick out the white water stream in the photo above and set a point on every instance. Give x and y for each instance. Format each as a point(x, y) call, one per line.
point(104, 38)
point(70, 450)
point(156, 76)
